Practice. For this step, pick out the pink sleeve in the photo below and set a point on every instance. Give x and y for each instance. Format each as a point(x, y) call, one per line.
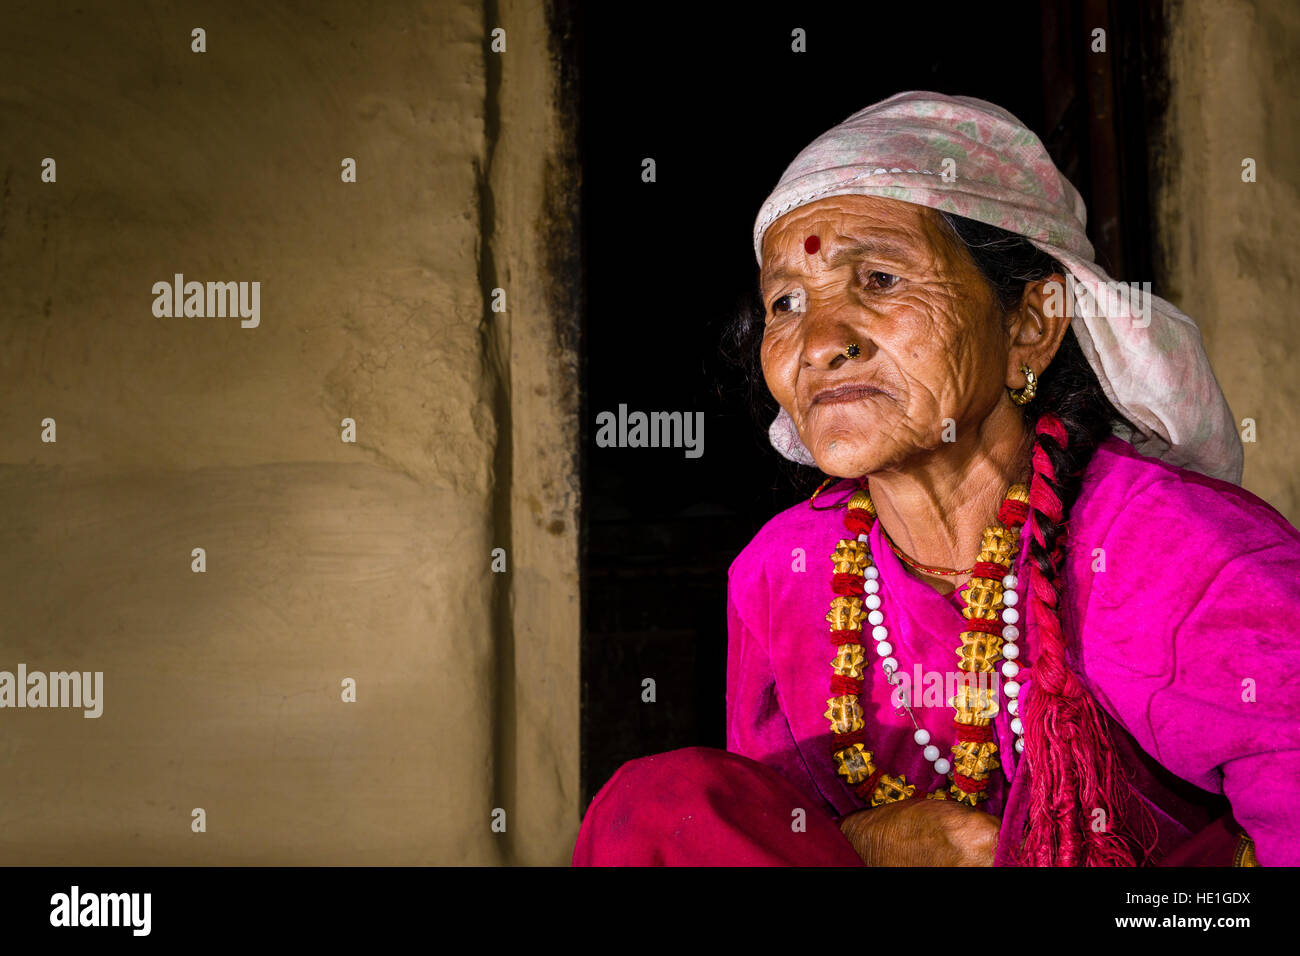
point(1193, 644)
point(1239, 682)
point(756, 724)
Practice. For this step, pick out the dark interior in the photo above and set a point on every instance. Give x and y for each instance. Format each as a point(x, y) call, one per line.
point(721, 103)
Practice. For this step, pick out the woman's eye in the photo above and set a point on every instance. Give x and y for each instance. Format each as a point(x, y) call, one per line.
point(790, 302)
point(881, 280)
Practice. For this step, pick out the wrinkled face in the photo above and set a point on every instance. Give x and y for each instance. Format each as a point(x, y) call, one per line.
point(932, 344)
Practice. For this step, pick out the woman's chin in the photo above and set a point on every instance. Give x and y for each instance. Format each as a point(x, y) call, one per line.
point(843, 458)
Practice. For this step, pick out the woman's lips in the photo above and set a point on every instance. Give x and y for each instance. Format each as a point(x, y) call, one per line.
point(845, 393)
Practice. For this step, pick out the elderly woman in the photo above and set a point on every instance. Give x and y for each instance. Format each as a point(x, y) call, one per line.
point(1051, 630)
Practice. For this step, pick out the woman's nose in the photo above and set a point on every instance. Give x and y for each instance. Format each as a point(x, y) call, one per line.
point(832, 338)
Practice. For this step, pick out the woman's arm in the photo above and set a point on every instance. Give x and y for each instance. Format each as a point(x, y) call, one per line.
point(1193, 643)
point(756, 725)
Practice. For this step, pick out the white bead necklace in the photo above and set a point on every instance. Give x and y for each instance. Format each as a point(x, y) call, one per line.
point(889, 663)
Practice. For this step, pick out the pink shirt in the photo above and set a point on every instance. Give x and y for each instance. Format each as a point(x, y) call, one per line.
point(1186, 634)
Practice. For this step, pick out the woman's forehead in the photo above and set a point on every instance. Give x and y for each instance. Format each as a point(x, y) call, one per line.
point(869, 208)
point(852, 225)
point(855, 216)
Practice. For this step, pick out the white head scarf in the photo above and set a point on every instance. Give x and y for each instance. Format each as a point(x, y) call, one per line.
point(966, 156)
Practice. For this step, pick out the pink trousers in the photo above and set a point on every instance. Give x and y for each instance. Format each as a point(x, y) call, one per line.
point(704, 807)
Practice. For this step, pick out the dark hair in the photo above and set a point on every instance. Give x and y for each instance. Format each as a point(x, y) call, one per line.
point(1069, 417)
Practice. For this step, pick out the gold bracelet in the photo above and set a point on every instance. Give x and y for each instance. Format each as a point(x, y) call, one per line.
point(1245, 855)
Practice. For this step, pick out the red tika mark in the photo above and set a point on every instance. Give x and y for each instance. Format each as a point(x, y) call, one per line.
point(811, 245)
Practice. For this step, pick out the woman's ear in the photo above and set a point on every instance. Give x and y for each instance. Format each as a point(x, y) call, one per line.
point(1037, 327)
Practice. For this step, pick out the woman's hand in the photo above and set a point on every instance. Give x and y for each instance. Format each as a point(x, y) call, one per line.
point(922, 832)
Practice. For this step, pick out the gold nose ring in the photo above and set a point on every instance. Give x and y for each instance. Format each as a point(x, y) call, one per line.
point(852, 351)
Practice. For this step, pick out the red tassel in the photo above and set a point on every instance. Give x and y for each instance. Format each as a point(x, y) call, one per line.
point(969, 785)
point(867, 787)
point(842, 684)
point(988, 569)
point(847, 584)
point(840, 741)
point(1013, 513)
point(858, 520)
point(1071, 766)
point(970, 733)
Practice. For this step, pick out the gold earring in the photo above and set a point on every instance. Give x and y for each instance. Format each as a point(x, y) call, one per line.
point(1023, 396)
